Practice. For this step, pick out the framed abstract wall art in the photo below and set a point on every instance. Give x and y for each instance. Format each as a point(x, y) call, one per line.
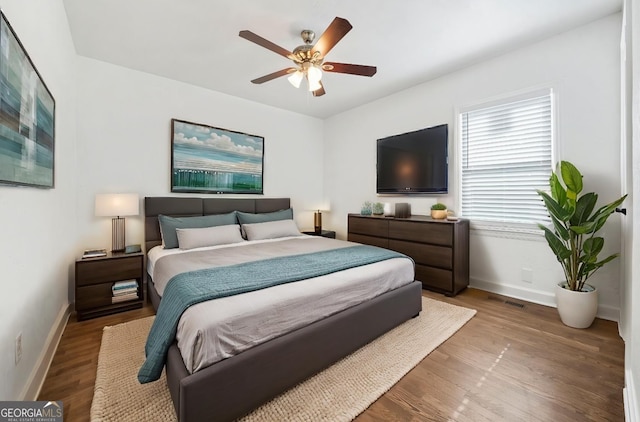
point(27, 117)
point(207, 159)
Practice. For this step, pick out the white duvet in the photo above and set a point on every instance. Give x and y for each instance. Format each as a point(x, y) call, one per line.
point(211, 331)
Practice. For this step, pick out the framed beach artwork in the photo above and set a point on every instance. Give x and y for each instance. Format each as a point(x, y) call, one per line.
point(27, 117)
point(207, 159)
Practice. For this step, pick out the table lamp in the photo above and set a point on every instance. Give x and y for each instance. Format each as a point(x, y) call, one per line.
point(117, 205)
point(317, 221)
point(317, 217)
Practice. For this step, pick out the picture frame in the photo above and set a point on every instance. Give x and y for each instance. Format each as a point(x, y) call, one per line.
point(208, 159)
point(27, 117)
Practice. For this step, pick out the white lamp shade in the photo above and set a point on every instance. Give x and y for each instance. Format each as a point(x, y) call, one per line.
point(117, 204)
point(314, 86)
point(296, 78)
point(314, 74)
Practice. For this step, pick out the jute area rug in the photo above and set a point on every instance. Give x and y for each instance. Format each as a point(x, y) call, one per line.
point(339, 393)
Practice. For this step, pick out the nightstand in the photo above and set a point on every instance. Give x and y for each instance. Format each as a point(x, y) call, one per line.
point(95, 278)
point(325, 233)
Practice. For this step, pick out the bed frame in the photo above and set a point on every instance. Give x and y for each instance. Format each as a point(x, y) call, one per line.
point(235, 386)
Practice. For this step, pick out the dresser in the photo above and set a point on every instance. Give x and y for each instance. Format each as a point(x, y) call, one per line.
point(440, 248)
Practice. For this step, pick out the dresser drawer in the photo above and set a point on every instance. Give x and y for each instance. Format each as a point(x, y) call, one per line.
point(434, 278)
point(371, 226)
point(100, 271)
point(436, 233)
point(435, 256)
point(369, 240)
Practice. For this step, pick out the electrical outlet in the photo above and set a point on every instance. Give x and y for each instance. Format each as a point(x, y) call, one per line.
point(527, 275)
point(18, 348)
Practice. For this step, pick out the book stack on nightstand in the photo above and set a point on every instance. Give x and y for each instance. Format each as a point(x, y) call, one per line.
point(124, 290)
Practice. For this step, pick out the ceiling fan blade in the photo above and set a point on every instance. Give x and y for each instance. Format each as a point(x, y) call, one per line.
point(274, 75)
point(352, 69)
point(334, 33)
point(250, 36)
point(319, 92)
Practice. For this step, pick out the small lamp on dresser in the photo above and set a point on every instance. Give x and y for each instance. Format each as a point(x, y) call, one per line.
point(117, 205)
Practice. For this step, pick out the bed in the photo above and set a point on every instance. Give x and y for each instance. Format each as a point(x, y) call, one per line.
point(238, 384)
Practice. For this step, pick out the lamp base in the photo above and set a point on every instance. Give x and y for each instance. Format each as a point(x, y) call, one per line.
point(317, 222)
point(117, 234)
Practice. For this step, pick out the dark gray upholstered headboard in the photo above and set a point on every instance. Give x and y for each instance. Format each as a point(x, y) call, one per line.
point(183, 207)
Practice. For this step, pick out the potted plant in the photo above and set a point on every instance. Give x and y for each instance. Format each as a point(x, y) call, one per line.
point(366, 208)
point(378, 208)
point(438, 211)
point(572, 238)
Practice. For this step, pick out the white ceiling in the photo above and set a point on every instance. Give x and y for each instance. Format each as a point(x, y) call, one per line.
point(410, 41)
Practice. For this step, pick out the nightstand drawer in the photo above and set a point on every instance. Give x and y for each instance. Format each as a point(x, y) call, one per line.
point(89, 297)
point(101, 271)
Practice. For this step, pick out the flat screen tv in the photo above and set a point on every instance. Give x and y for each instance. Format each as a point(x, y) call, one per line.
point(414, 162)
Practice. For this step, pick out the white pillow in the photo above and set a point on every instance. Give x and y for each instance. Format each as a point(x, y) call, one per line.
point(271, 229)
point(208, 236)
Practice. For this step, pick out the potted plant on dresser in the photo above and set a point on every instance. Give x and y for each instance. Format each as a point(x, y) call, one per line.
point(572, 238)
point(438, 211)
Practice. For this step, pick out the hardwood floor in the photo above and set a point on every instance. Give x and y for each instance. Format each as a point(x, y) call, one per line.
point(72, 374)
point(514, 361)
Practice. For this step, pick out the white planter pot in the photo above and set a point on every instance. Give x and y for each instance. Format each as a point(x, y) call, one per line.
point(577, 309)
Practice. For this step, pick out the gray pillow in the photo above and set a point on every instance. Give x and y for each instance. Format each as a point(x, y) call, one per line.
point(168, 225)
point(209, 236)
point(248, 218)
point(271, 229)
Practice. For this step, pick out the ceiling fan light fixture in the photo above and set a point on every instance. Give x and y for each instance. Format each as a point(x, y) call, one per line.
point(296, 78)
point(314, 85)
point(314, 74)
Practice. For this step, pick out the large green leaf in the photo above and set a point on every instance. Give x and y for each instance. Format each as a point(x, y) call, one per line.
point(554, 208)
point(584, 229)
point(602, 214)
point(571, 178)
point(557, 190)
point(560, 228)
point(556, 245)
point(606, 210)
point(584, 207)
point(592, 248)
point(607, 259)
point(590, 267)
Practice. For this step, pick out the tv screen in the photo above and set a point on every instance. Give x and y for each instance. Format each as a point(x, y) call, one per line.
point(414, 162)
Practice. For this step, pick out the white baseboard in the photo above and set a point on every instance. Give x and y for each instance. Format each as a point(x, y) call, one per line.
point(39, 373)
point(630, 395)
point(536, 296)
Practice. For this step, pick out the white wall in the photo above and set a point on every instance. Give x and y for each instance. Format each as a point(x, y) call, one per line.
point(582, 66)
point(38, 240)
point(124, 128)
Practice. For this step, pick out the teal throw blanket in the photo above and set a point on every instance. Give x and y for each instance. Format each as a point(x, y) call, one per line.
point(193, 287)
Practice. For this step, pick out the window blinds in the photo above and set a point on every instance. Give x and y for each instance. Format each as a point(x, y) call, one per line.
point(506, 156)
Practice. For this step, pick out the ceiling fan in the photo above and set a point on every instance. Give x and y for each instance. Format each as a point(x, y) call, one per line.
point(309, 59)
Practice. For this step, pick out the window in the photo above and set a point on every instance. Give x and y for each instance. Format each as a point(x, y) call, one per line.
point(506, 156)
